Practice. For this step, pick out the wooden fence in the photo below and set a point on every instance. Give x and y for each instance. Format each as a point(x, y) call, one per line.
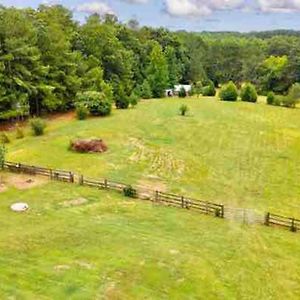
point(142, 193)
point(204, 207)
point(281, 221)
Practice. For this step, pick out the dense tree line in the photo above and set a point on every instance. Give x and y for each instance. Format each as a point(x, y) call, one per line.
point(49, 62)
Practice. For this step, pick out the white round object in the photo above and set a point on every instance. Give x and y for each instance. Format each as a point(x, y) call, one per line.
point(19, 207)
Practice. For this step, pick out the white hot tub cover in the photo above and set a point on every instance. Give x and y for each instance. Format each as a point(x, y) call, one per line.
point(19, 207)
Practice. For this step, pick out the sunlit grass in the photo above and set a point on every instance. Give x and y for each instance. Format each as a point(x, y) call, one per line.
point(239, 154)
point(114, 248)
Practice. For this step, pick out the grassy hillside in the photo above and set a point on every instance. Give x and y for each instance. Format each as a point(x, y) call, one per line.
point(109, 247)
point(239, 154)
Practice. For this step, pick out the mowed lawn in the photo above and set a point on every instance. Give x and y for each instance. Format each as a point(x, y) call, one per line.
point(110, 247)
point(239, 154)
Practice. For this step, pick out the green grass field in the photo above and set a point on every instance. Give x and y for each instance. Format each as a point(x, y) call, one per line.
point(114, 248)
point(82, 243)
point(239, 154)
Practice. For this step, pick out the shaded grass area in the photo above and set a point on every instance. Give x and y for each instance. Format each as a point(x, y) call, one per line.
point(114, 248)
point(239, 154)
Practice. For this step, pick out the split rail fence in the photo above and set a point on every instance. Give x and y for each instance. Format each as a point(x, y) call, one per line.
point(204, 207)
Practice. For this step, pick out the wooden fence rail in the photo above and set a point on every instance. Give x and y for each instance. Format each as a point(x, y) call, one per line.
point(204, 207)
point(281, 221)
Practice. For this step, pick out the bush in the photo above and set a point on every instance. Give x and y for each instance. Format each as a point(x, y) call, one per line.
point(122, 103)
point(270, 98)
point(81, 112)
point(4, 138)
point(130, 192)
point(229, 92)
point(182, 93)
point(278, 100)
point(38, 126)
point(19, 133)
point(209, 90)
point(96, 102)
point(197, 88)
point(248, 93)
point(183, 109)
point(134, 99)
point(288, 101)
point(145, 90)
point(2, 155)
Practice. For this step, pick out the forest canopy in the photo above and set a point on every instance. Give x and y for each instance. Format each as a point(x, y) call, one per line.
point(47, 59)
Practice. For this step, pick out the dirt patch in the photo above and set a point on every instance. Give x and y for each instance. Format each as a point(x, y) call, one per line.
point(59, 268)
point(85, 265)
point(21, 182)
point(88, 146)
point(75, 202)
point(67, 116)
point(3, 188)
point(152, 183)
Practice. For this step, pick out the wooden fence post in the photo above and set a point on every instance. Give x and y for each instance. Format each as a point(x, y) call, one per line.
point(105, 183)
point(156, 196)
point(51, 174)
point(293, 227)
point(80, 180)
point(182, 201)
point(71, 177)
point(267, 219)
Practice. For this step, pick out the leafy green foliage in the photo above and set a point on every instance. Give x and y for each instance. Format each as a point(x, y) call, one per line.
point(183, 109)
point(4, 139)
point(197, 88)
point(146, 92)
point(270, 98)
point(2, 155)
point(157, 72)
point(130, 192)
point(96, 103)
point(209, 90)
point(134, 100)
point(81, 112)
point(38, 126)
point(229, 92)
point(182, 93)
point(248, 93)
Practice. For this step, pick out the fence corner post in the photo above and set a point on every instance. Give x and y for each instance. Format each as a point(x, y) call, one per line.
point(267, 219)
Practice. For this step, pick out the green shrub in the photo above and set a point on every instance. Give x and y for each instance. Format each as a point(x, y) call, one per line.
point(209, 90)
point(96, 102)
point(123, 103)
point(248, 93)
point(292, 97)
point(38, 126)
point(4, 139)
point(229, 92)
point(145, 90)
point(19, 133)
point(134, 99)
point(183, 109)
point(2, 155)
point(197, 88)
point(270, 98)
point(81, 112)
point(182, 93)
point(288, 101)
point(130, 192)
point(278, 100)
